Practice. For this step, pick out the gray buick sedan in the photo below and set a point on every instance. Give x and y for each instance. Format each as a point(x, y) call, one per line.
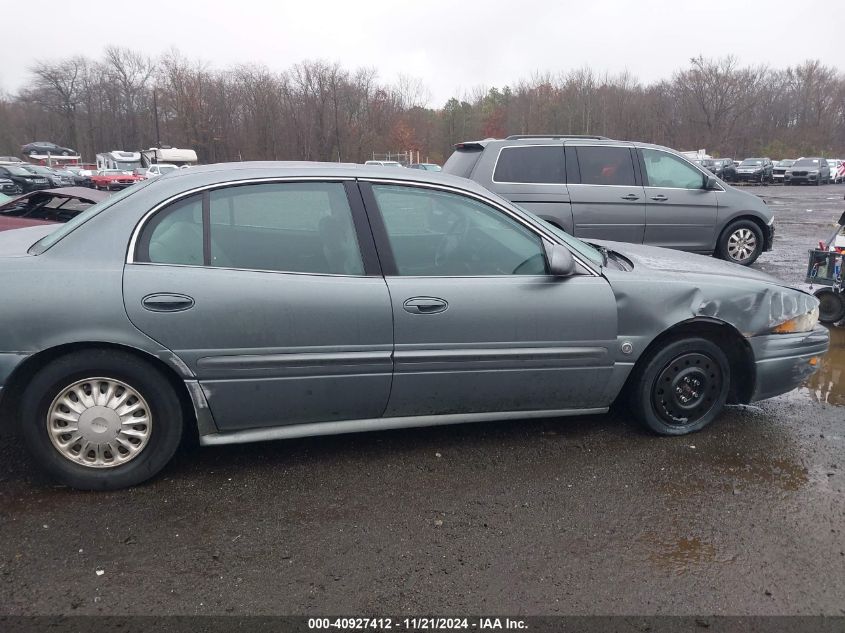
point(258, 301)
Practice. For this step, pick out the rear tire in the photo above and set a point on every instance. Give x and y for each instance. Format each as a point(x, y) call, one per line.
point(101, 420)
point(740, 243)
point(831, 305)
point(681, 387)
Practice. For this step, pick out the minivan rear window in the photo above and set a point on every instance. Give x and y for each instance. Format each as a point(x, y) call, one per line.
point(606, 166)
point(531, 164)
point(462, 161)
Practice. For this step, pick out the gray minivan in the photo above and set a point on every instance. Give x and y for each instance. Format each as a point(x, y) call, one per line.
point(597, 188)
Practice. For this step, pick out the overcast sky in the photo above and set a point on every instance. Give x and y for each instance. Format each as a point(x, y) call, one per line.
point(451, 46)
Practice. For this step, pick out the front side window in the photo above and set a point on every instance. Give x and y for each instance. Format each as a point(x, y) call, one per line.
point(666, 170)
point(285, 227)
point(441, 234)
point(531, 164)
point(606, 166)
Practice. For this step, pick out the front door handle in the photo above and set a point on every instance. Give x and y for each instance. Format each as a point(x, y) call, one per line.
point(631, 197)
point(659, 197)
point(425, 305)
point(167, 302)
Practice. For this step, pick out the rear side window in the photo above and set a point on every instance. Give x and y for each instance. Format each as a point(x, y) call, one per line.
point(606, 166)
point(462, 162)
point(531, 164)
point(285, 227)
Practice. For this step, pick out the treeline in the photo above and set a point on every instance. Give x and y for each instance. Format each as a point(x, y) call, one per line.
point(317, 110)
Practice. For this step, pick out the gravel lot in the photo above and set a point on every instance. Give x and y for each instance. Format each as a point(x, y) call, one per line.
point(572, 516)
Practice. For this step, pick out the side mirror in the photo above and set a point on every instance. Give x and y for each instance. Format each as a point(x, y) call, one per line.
point(561, 262)
point(710, 183)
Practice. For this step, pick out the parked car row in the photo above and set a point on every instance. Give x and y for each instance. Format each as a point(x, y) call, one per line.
point(393, 163)
point(804, 170)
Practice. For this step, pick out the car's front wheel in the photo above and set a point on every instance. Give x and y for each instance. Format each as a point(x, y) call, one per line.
point(681, 387)
point(741, 243)
point(101, 420)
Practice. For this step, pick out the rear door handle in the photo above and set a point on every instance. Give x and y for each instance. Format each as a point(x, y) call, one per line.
point(659, 198)
point(167, 302)
point(425, 305)
point(631, 196)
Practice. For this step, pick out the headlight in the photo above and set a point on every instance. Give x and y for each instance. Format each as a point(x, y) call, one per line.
point(814, 172)
point(804, 323)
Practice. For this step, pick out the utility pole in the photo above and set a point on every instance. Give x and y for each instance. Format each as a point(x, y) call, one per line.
point(155, 115)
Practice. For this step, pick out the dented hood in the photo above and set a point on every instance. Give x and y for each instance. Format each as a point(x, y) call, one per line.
point(667, 287)
point(666, 260)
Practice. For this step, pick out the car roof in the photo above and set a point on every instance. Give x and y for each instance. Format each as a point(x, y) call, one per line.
point(563, 139)
point(221, 172)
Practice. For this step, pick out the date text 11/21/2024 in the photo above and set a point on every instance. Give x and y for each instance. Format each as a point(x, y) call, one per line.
point(416, 624)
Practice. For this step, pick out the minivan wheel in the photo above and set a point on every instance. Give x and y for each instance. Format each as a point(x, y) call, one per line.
point(682, 387)
point(101, 420)
point(741, 243)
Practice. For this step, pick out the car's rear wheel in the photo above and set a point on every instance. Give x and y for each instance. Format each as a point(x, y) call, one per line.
point(741, 243)
point(681, 387)
point(101, 420)
point(831, 305)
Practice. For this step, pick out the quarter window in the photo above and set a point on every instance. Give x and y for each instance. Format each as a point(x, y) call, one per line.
point(530, 164)
point(286, 227)
point(606, 166)
point(435, 233)
point(665, 170)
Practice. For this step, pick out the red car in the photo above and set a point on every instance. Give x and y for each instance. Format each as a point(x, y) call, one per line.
point(111, 179)
point(47, 206)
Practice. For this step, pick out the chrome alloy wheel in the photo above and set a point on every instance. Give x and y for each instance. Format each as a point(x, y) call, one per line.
point(741, 244)
point(99, 422)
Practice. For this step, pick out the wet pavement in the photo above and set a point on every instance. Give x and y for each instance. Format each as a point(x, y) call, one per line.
point(573, 516)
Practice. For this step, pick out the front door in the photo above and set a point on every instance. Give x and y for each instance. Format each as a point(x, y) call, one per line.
point(608, 203)
point(479, 325)
point(680, 212)
point(271, 297)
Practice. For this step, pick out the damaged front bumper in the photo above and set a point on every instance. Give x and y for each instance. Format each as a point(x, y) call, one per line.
point(784, 361)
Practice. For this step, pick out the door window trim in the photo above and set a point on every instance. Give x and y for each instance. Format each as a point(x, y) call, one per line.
point(641, 162)
point(528, 184)
point(379, 229)
point(360, 221)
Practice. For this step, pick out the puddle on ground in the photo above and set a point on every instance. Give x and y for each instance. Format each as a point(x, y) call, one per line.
point(681, 555)
point(828, 383)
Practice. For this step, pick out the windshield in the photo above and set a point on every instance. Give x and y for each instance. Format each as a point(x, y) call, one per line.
point(166, 168)
point(709, 163)
point(786, 163)
point(47, 241)
point(130, 165)
point(751, 162)
point(17, 171)
point(806, 162)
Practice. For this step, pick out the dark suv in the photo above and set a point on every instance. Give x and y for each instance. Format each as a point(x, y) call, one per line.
point(755, 170)
point(723, 168)
point(597, 188)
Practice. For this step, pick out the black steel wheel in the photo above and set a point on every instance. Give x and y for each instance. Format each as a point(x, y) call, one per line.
point(681, 387)
point(831, 305)
point(687, 388)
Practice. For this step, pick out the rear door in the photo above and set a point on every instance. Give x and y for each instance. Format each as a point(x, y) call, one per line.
point(680, 212)
point(608, 201)
point(272, 295)
point(531, 176)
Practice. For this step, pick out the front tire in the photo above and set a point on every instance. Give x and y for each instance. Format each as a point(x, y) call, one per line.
point(101, 420)
point(681, 387)
point(740, 243)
